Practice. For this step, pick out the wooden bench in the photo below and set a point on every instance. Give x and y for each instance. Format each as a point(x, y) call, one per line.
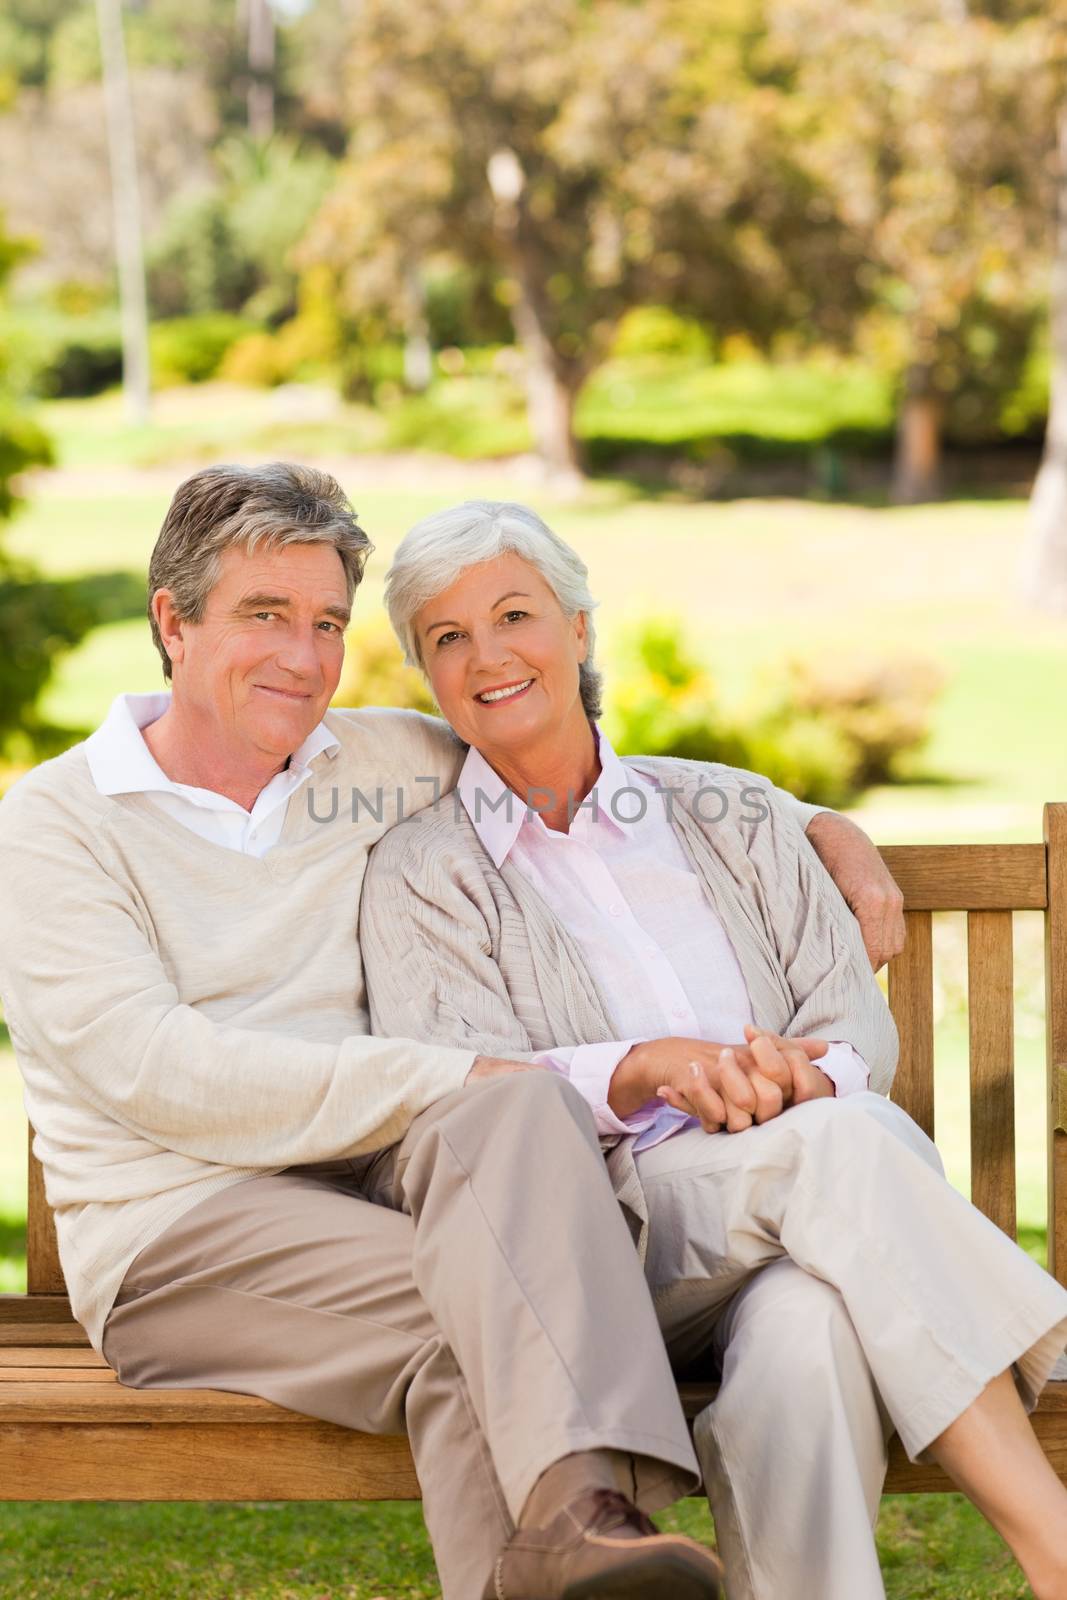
point(70, 1431)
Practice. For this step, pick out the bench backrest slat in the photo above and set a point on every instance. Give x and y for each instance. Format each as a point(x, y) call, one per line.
point(911, 998)
point(990, 973)
point(44, 1275)
point(986, 881)
point(1056, 1036)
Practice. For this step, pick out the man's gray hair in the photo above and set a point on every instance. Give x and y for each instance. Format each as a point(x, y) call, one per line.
point(439, 549)
point(223, 507)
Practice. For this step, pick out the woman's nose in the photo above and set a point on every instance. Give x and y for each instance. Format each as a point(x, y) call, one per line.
point(489, 650)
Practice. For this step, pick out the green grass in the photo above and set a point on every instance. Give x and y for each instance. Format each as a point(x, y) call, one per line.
point(928, 1547)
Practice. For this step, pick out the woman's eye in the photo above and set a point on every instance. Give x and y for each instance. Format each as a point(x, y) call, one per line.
point(446, 638)
point(511, 616)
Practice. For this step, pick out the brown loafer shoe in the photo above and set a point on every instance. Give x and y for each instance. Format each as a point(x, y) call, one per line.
point(601, 1547)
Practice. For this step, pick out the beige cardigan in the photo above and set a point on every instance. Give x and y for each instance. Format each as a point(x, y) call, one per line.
point(461, 953)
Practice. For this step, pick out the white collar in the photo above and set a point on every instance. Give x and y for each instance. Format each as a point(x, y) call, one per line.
point(498, 813)
point(121, 763)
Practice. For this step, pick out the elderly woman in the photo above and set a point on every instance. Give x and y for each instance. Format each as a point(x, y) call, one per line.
point(661, 932)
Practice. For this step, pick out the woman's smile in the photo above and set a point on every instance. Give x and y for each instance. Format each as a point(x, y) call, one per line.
point(504, 694)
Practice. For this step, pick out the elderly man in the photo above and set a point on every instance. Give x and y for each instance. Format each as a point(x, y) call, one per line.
point(182, 981)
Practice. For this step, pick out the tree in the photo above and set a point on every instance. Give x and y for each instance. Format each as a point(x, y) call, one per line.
point(126, 204)
point(38, 620)
point(1044, 561)
point(261, 51)
point(597, 156)
point(926, 126)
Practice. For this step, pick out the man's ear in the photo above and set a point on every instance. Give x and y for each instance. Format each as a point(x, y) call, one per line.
point(169, 624)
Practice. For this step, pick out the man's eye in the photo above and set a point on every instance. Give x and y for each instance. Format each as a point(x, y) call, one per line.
point(332, 627)
point(264, 616)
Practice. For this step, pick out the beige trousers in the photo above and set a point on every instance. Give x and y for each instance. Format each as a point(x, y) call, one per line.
point(846, 1290)
point(491, 1303)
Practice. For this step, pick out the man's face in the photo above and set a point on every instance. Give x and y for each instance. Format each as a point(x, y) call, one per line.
point(263, 664)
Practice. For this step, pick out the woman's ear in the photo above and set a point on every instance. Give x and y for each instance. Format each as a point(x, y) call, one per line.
point(581, 633)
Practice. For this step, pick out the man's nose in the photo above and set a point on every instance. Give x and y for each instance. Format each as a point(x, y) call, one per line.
point(299, 653)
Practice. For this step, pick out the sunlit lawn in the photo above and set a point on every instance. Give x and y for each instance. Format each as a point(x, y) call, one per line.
point(754, 581)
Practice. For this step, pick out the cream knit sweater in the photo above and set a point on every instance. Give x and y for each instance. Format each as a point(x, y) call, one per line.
point(491, 966)
point(187, 1017)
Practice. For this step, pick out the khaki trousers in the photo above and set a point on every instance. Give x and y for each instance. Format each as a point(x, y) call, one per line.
point(491, 1303)
point(846, 1290)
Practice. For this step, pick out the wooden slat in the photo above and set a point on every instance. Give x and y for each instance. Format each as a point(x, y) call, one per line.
point(55, 1333)
point(34, 1308)
point(310, 1461)
point(991, 1016)
point(33, 1400)
point(44, 1275)
point(42, 1373)
point(911, 999)
point(1056, 1036)
point(969, 877)
point(51, 1357)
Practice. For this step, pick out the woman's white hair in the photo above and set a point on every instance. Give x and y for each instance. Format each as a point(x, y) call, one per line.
point(439, 549)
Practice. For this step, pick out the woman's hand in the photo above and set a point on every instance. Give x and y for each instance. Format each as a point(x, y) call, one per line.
point(809, 1082)
point(728, 1086)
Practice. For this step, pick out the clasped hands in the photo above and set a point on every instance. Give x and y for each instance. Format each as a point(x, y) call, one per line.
point(724, 1086)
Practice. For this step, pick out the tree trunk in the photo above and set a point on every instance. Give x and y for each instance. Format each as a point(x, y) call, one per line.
point(549, 394)
point(917, 460)
point(126, 202)
point(1043, 571)
point(551, 384)
point(260, 69)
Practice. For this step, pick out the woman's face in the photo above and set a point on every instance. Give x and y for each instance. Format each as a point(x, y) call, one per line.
point(501, 656)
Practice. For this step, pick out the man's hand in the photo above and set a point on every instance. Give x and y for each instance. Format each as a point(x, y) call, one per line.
point(728, 1086)
point(864, 881)
point(497, 1067)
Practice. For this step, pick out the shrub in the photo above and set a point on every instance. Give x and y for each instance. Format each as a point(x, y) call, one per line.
point(256, 359)
point(39, 621)
point(375, 674)
point(22, 444)
point(823, 733)
point(191, 349)
point(880, 709)
point(81, 366)
point(658, 331)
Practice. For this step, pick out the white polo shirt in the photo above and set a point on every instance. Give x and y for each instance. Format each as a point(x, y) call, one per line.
point(121, 763)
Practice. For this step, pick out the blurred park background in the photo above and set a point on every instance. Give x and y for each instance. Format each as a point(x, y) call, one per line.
point(762, 303)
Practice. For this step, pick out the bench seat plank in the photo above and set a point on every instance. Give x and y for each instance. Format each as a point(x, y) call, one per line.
point(280, 1455)
point(16, 1308)
point(50, 1356)
point(163, 1461)
point(69, 1335)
